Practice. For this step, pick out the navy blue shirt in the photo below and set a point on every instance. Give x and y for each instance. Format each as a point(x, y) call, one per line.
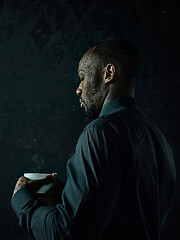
point(120, 185)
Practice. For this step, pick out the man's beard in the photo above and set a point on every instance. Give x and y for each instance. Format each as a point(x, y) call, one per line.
point(92, 113)
point(92, 108)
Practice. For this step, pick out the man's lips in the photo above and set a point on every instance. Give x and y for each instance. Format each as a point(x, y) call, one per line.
point(81, 102)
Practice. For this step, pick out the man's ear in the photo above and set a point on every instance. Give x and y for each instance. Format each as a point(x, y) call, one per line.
point(109, 73)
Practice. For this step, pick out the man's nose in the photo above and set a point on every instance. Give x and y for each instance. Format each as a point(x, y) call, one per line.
point(79, 90)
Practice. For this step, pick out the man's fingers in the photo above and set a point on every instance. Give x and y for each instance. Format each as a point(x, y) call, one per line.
point(54, 175)
point(20, 184)
point(49, 179)
point(35, 185)
point(22, 179)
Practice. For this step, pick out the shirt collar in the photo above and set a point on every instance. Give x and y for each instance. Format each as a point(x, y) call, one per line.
point(119, 104)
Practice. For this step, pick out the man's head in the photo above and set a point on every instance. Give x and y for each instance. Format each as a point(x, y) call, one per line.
point(107, 71)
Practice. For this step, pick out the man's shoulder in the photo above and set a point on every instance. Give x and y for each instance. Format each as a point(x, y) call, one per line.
point(122, 118)
point(97, 124)
point(107, 122)
point(127, 124)
point(107, 125)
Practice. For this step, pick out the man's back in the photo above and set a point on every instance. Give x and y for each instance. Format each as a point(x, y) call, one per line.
point(120, 182)
point(148, 175)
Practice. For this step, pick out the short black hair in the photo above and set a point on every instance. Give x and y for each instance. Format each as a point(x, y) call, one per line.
point(122, 53)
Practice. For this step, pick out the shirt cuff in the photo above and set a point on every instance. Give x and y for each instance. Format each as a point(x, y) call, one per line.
point(20, 199)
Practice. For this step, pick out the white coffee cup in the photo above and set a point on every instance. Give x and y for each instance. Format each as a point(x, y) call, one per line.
point(38, 176)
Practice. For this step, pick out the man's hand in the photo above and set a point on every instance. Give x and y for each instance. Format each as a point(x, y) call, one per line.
point(52, 197)
point(20, 184)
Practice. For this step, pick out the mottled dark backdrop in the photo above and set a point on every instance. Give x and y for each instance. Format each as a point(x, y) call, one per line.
point(41, 42)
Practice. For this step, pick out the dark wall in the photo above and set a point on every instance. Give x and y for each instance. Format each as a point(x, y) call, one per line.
point(41, 43)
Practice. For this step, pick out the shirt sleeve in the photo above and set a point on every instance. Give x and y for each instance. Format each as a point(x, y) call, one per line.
point(89, 196)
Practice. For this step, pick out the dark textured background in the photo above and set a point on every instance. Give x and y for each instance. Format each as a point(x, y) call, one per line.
point(41, 43)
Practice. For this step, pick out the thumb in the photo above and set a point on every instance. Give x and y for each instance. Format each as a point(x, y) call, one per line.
point(49, 179)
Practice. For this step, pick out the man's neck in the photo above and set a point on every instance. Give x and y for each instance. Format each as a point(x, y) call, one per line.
point(111, 97)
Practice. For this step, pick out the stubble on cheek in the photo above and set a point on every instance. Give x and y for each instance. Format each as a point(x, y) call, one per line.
point(91, 95)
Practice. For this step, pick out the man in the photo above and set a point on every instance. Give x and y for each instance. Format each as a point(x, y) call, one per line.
point(121, 178)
